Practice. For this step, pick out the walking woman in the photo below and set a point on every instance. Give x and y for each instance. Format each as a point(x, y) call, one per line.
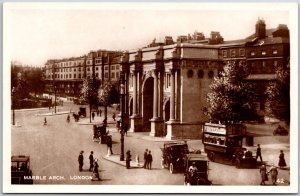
point(281, 162)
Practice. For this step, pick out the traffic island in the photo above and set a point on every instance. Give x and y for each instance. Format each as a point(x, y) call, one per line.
point(115, 158)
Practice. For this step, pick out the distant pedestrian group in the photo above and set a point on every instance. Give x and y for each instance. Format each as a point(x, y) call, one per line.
point(273, 172)
point(148, 159)
point(94, 166)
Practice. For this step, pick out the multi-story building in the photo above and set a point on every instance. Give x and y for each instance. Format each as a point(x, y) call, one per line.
point(168, 81)
point(67, 75)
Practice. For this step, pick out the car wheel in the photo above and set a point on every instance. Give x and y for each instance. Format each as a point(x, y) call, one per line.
point(211, 156)
point(171, 168)
point(237, 163)
point(162, 164)
point(201, 181)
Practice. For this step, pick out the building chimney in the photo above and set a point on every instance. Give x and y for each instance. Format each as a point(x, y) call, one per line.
point(260, 29)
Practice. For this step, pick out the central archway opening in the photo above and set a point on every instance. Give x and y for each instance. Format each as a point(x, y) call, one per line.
point(166, 116)
point(148, 104)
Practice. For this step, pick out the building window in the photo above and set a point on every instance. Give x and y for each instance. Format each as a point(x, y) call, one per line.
point(210, 74)
point(61, 76)
point(232, 53)
point(263, 52)
point(70, 75)
point(96, 68)
point(97, 75)
point(106, 67)
point(112, 67)
point(74, 69)
point(275, 51)
point(117, 67)
point(113, 75)
point(252, 53)
point(200, 73)
point(79, 76)
point(79, 64)
point(74, 75)
point(224, 53)
point(190, 73)
point(66, 75)
point(117, 75)
point(79, 69)
point(88, 69)
point(242, 52)
point(106, 75)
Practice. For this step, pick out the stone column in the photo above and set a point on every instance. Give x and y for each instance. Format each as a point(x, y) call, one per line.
point(172, 98)
point(134, 112)
point(155, 95)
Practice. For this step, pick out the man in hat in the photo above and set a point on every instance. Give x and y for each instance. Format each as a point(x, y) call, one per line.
point(128, 159)
point(80, 160)
point(91, 157)
point(258, 153)
point(145, 158)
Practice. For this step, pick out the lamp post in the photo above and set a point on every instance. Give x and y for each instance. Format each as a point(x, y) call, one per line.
point(13, 91)
point(54, 98)
point(122, 103)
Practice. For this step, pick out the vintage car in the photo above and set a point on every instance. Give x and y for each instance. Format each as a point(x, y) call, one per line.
point(198, 176)
point(173, 154)
point(100, 134)
point(82, 112)
point(280, 131)
point(20, 170)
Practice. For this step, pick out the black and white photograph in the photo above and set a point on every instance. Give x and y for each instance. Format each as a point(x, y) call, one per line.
point(150, 97)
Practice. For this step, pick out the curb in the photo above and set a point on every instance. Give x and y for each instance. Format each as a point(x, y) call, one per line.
point(133, 164)
point(54, 114)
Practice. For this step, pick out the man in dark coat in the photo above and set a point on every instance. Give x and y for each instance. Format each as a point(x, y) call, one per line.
point(149, 160)
point(80, 160)
point(128, 159)
point(109, 145)
point(145, 158)
point(258, 153)
point(91, 157)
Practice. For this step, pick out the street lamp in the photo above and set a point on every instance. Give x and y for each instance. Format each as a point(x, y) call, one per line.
point(122, 103)
point(54, 98)
point(13, 91)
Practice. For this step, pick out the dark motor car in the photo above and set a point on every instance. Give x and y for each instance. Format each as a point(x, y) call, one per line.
point(173, 154)
point(20, 170)
point(199, 177)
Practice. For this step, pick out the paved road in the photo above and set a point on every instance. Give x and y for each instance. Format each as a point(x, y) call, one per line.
point(54, 149)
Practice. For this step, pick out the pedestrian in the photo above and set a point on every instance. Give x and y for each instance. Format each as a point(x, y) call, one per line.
point(281, 162)
point(149, 160)
point(96, 170)
point(91, 157)
point(68, 118)
point(114, 116)
point(263, 174)
point(100, 112)
point(128, 159)
point(273, 171)
point(80, 160)
point(258, 153)
point(109, 145)
point(93, 115)
point(45, 121)
point(145, 158)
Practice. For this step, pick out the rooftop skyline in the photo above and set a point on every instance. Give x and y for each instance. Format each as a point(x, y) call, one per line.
point(36, 34)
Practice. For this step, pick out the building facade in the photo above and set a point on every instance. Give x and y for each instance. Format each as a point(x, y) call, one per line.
point(65, 76)
point(167, 82)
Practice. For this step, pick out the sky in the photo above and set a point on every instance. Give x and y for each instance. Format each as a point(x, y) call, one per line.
point(37, 33)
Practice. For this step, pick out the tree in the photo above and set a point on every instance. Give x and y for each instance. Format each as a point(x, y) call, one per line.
point(89, 92)
point(106, 96)
point(232, 98)
point(278, 94)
